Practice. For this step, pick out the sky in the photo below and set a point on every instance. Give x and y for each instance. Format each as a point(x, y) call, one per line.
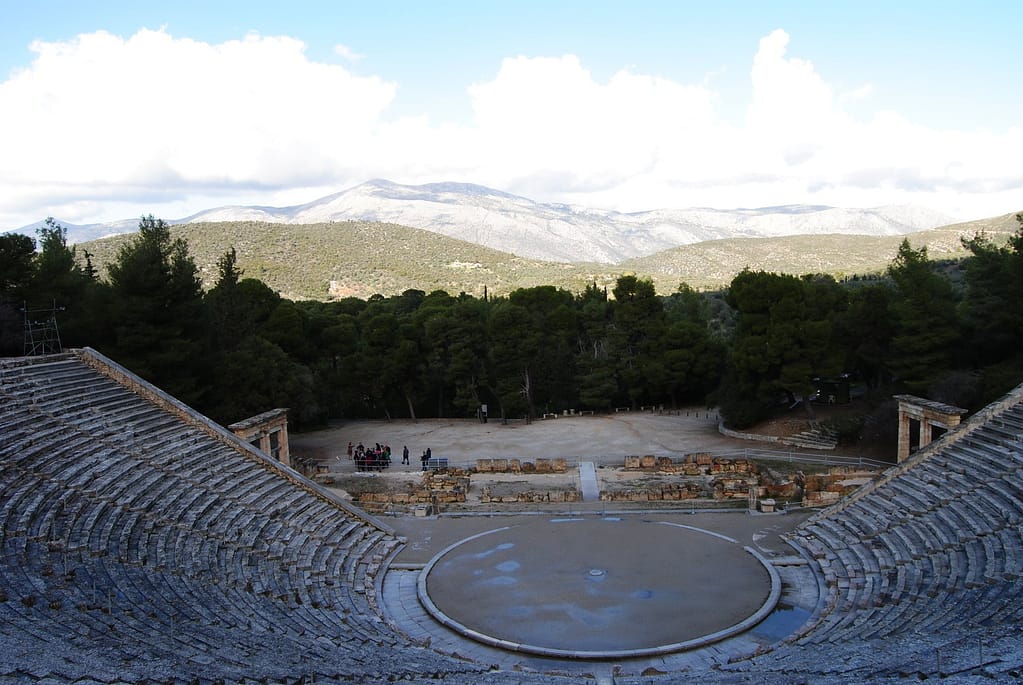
point(112, 110)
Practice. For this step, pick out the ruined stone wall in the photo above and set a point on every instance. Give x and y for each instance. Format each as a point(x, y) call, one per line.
point(445, 486)
point(693, 465)
point(825, 489)
point(531, 496)
point(558, 465)
point(666, 492)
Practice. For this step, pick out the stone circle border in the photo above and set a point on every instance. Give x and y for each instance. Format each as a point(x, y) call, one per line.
point(694, 643)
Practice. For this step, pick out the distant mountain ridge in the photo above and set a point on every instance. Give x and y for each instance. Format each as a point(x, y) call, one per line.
point(554, 232)
point(360, 259)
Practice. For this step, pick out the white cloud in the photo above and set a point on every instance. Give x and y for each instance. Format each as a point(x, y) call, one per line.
point(103, 115)
point(347, 53)
point(103, 124)
point(859, 93)
point(548, 117)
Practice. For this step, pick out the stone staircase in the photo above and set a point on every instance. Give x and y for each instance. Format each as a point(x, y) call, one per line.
point(815, 438)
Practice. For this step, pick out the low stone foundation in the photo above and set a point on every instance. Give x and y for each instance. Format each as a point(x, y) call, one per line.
point(558, 465)
point(715, 481)
point(824, 489)
point(667, 492)
point(531, 496)
point(696, 464)
point(437, 487)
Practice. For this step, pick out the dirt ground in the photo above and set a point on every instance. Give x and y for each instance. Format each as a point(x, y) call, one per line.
point(605, 439)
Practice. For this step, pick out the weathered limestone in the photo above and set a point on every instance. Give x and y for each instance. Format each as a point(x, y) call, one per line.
point(558, 465)
point(692, 465)
point(437, 487)
point(531, 496)
point(667, 492)
point(929, 414)
point(155, 547)
point(704, 476)
point(267, 431)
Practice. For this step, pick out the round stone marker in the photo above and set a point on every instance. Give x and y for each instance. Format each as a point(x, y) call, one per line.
point(598, 588)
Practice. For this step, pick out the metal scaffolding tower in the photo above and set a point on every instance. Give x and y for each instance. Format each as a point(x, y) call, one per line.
point(42, 336)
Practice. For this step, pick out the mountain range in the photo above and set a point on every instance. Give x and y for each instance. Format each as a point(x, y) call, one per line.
point(550, 232)
point(361, 258)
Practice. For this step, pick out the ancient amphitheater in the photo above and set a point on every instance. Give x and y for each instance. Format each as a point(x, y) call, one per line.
point(141, 542)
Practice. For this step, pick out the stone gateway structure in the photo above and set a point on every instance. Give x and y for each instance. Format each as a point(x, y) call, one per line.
point(929, 415)
point(140, 542)
point(268, 432)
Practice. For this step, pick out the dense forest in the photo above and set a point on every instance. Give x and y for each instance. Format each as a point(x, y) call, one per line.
point(763, 343)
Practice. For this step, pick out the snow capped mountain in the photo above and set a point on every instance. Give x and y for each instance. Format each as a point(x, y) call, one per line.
point(563, 233)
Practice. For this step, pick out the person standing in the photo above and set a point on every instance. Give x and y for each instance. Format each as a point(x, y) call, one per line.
point(404, 455)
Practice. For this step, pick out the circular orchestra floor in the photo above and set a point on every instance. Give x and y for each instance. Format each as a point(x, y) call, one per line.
point(598, 588)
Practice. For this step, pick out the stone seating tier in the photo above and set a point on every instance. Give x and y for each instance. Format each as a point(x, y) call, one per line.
point(931, 551)
point(152, 542)
point(134, 545)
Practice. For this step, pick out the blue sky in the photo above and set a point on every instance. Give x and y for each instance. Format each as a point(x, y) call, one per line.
point(628, 106)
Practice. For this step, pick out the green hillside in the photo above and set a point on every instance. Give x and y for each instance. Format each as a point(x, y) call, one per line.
point(342, 259)
point(713, 263)
point(354, 258)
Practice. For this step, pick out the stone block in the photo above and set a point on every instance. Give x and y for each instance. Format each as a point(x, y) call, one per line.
point(528, 467)
point(664, 463)
point(648, 462)
point(559, 465)
point(500, 465)
point(514, 465)
point(543, 465)
point(632, 462)
point(484, 465)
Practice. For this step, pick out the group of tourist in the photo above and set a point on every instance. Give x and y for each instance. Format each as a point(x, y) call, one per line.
point(378, 457)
